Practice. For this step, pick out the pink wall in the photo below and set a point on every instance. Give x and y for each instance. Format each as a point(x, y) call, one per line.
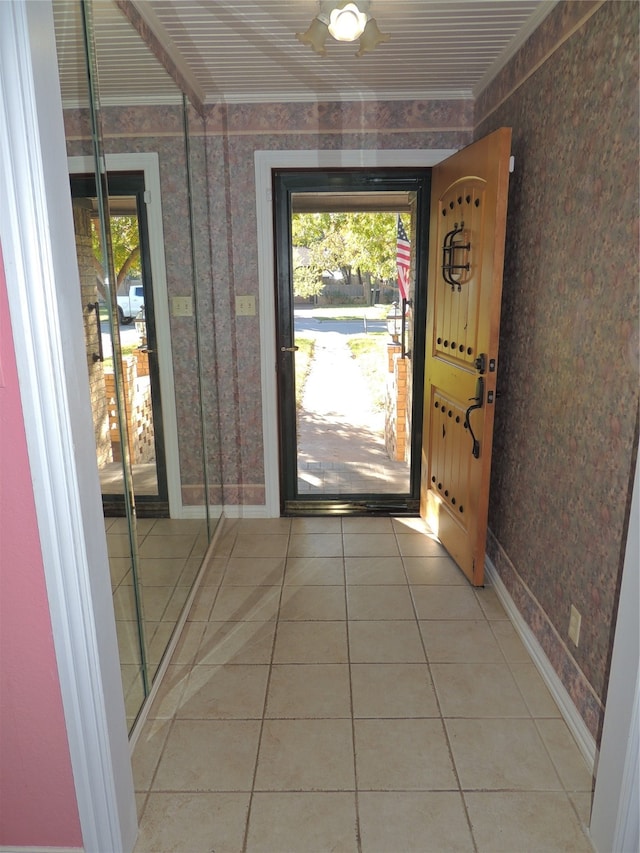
point(37, 797)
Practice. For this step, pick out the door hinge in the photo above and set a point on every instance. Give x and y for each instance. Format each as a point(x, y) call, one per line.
point(512, 164)
point(147, 196)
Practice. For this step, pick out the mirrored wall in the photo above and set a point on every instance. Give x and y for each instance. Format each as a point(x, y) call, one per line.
point(140, 213)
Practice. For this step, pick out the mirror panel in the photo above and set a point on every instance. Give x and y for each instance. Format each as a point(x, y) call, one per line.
point(145, 267)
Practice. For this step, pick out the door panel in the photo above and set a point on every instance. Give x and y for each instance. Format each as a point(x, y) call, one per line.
point(466, 254)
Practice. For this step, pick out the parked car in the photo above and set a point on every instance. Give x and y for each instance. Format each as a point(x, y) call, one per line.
point(130, 305)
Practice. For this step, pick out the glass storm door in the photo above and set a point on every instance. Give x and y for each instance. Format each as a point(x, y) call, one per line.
point(136, 329)
point(350, 339)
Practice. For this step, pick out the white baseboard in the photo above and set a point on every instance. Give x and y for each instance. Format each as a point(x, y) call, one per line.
point(41, 849)
point(233, 511)
point(577, 726)
point(237, 511)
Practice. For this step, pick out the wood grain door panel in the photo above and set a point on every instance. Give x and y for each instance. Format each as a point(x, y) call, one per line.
point(466, 254)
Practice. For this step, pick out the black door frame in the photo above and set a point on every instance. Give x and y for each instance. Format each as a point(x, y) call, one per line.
point(286, 182)
point(133, 184)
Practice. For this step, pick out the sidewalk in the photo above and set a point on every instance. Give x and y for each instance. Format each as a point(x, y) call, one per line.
point(341, 448)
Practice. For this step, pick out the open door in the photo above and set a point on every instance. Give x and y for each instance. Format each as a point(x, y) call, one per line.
point(466, 254)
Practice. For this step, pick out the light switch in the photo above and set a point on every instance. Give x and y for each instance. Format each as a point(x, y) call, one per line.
point(245, 306)
point(182, 306)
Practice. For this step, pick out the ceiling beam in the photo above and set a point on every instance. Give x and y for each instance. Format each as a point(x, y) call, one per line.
point(155, 36)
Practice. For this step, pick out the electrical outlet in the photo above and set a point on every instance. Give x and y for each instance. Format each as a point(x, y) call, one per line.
point(182, 306)
point(245, 306)
point(574, 625)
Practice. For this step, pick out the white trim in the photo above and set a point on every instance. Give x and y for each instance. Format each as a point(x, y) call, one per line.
point(148, 163)
point(232, 511)
point(246, 511)
point(41, 849)
point(614, 818)
point(574, 721)
point(283, 97)
point(265, 161)
point(36, 230)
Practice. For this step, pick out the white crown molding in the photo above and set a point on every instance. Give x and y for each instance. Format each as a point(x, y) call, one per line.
point(286, 97)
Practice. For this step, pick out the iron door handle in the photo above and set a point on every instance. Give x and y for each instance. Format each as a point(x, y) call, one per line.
point(97, 356)
point(478, 404)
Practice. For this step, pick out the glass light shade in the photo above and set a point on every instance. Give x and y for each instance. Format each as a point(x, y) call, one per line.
point(347, 23)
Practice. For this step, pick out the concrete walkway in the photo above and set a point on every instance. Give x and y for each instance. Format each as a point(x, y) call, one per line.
point(341, 448)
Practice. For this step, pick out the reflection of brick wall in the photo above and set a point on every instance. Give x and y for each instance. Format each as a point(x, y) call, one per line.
point(137, 394)
point(89, 295)
point(395, 431)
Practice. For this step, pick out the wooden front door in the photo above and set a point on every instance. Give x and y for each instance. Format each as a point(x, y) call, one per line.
point(466, 254)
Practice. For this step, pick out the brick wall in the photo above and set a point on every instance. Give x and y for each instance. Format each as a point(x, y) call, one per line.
point(137, 394)
point(396, 431)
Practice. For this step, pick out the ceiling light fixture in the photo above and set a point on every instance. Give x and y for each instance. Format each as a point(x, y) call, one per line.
point(345, 22)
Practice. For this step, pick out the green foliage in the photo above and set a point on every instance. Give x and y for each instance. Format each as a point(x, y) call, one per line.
point(354, 243)
point(304, 357)
point(307, 281)
point(125, 241)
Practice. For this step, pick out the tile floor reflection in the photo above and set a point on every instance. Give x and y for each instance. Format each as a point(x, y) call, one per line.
point(339, 686)
point(170, 553)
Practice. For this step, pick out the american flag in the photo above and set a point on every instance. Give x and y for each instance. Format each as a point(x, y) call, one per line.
point(403, 260)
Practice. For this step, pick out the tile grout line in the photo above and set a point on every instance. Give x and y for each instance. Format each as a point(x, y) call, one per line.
point(439, 707)
point(535, 720)
point(245, 839)
point(174, 714)
point(356, 793)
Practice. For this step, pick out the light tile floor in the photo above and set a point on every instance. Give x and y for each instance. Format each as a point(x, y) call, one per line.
point(340, 687)
point(170, 553)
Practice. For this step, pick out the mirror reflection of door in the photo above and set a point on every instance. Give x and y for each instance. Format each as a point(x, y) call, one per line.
point(350, 321)
point(136, 328)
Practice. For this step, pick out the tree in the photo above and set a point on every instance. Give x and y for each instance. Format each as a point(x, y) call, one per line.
point(364, 242)
point(125, 242)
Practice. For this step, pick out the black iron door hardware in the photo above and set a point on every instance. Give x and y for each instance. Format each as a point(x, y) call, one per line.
point(477, 404)
point(449, 248)
point(481, 363)
point(97, 356)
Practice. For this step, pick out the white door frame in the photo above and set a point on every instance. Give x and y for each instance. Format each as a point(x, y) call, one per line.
point(614, 818)
point(265, 162)
point(38, 242)
point(148, 163)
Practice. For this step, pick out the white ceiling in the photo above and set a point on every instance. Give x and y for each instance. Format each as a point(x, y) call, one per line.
point(237, 51)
